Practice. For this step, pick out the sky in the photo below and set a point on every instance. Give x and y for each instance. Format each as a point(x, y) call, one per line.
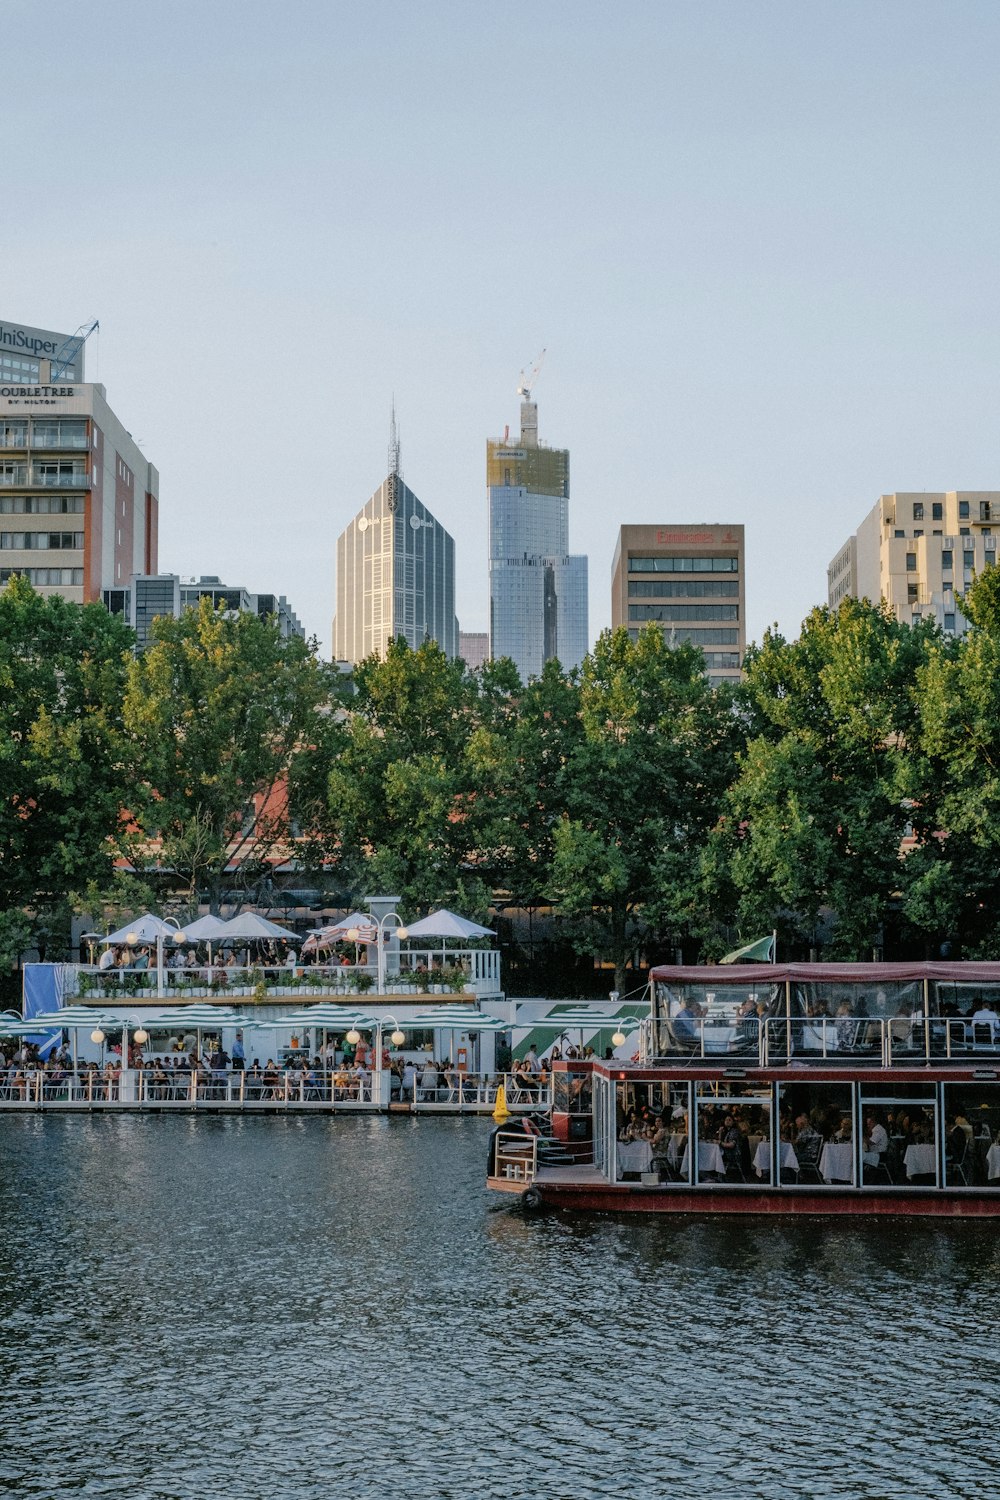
point(757, 240)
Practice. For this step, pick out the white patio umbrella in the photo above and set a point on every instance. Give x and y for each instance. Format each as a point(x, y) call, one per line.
point(249, 925)
point(206, 930)
point(144, 929)
point(447, 924)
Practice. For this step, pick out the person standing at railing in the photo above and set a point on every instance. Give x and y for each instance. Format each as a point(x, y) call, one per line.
point(239, 1055)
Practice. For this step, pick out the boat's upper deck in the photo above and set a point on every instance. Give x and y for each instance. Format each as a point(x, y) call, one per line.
point(830, 1015)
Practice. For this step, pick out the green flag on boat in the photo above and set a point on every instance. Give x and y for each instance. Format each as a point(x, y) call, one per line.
point(760, 952)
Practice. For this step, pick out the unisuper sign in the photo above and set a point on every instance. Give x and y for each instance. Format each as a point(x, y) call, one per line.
point(691, 535)
point(35, 341)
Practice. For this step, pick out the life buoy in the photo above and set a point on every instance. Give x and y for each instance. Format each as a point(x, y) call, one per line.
point(531, 1198)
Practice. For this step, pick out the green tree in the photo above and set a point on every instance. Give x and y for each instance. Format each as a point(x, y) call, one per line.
point(220, 707)
point(399, 807)
point(642, 789)
point(65, 762)
point(954, 887)
point(818, 812)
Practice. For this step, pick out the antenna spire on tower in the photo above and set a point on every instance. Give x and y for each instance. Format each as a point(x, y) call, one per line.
point(394, 443)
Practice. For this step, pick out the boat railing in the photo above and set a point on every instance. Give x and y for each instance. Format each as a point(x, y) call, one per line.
point(773, 1041)
point(516, 1156)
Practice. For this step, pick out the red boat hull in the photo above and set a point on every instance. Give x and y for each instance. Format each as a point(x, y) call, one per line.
point(904, 1202)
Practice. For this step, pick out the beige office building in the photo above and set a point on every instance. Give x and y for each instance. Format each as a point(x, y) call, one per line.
point(79, 501)
point(915, 550)
point(689, 579)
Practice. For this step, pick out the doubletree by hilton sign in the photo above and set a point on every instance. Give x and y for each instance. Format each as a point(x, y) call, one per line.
point(36, 395)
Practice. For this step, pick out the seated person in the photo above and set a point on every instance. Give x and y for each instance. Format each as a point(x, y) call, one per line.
point(876, 1142)
point(685, 1024)
point(984, 1015)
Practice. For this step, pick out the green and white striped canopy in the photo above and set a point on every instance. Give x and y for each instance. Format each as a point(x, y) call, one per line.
point(323, 1017)
point(453, 1018)
point(76, 1015)
point(198, 1017)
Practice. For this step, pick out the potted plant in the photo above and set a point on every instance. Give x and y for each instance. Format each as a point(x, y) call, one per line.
point(363, 982)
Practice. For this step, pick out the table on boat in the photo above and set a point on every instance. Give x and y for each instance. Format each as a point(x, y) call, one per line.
point(993, 1163)
point(836, 1162)
point(709, 1159)
point(786, 1158)
point(920, 1161)
point(634, 1156)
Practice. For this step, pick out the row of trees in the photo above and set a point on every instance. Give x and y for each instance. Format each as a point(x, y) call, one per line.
point(854, 772)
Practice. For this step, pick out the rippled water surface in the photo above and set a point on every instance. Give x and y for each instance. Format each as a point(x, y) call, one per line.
point(307, 1307)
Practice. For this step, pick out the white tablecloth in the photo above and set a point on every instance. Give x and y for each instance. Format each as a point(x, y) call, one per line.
point(709, 1159)
point(634, 1156)
point(836, 1162)
point(786, 1155)
point(675, 1146)
point(919, 1161)
point(993, 1162)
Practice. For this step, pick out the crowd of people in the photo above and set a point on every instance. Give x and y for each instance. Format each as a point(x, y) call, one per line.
point(340, 1073)
point(738, 1127)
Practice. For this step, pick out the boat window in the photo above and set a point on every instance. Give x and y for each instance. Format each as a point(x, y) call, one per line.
point(711, 1020)
point(899, 1126)
point(733, 1137)
point(972, 1134)
point(571, 1092)
point(817, 1121)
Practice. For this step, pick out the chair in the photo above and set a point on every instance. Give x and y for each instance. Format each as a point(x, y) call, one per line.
point(982, 1037)
point(955, 1165)
point(870, 1172)
point(808, 1153)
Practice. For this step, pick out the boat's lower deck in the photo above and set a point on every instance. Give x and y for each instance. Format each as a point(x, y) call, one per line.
point(585, 1187)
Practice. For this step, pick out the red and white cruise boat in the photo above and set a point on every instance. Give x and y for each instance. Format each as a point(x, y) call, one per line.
point(781, 1089)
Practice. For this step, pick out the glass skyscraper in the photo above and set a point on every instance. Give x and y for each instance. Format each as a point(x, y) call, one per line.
point(538, 592)
point(395, 574)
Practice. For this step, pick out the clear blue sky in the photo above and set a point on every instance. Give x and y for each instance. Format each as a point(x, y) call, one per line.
point(759, 241)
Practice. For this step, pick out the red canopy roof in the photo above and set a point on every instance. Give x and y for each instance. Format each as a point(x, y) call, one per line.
point(721, 974)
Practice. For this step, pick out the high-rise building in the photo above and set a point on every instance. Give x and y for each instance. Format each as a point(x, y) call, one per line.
point(689, 579)
point(148, 596)
point(538, 592)
point(395, 573)
point(914, 549)
point(78, 500)
point(474, 648)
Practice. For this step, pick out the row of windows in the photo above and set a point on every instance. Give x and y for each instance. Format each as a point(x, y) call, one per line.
point(41, 505)
point(705, 637)
point(684, 565)
point(948, 560)
point(54, 541)
point(722, 659)
point(689, 589)
point(45, 577)
point(683, 611)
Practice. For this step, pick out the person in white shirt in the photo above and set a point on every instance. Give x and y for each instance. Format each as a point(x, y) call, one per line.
point(107, 958)
point(876, 1142)
point(986, 1016)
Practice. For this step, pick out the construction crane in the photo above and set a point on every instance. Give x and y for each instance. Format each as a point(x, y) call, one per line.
point(527, 385)
point(65, 356)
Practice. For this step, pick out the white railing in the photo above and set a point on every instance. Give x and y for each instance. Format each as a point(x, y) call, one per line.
point(516, 1157)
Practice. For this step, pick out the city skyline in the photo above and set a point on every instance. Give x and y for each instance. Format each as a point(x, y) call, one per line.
point(762, 267)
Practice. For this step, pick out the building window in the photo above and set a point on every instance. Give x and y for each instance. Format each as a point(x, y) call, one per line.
point(963, 510)
point(671, 612)
point(946, 558)
point(911, 562)
point(918, 533)
point(918, 510)
point(899, 535)
point(937, 511)
point(964, 531)
point(911, 593)
point(684, 565)
point(968, 560)
point(984, 510)
point(949, 624)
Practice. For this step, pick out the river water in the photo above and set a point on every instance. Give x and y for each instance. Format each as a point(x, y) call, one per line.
point(306, 1307)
